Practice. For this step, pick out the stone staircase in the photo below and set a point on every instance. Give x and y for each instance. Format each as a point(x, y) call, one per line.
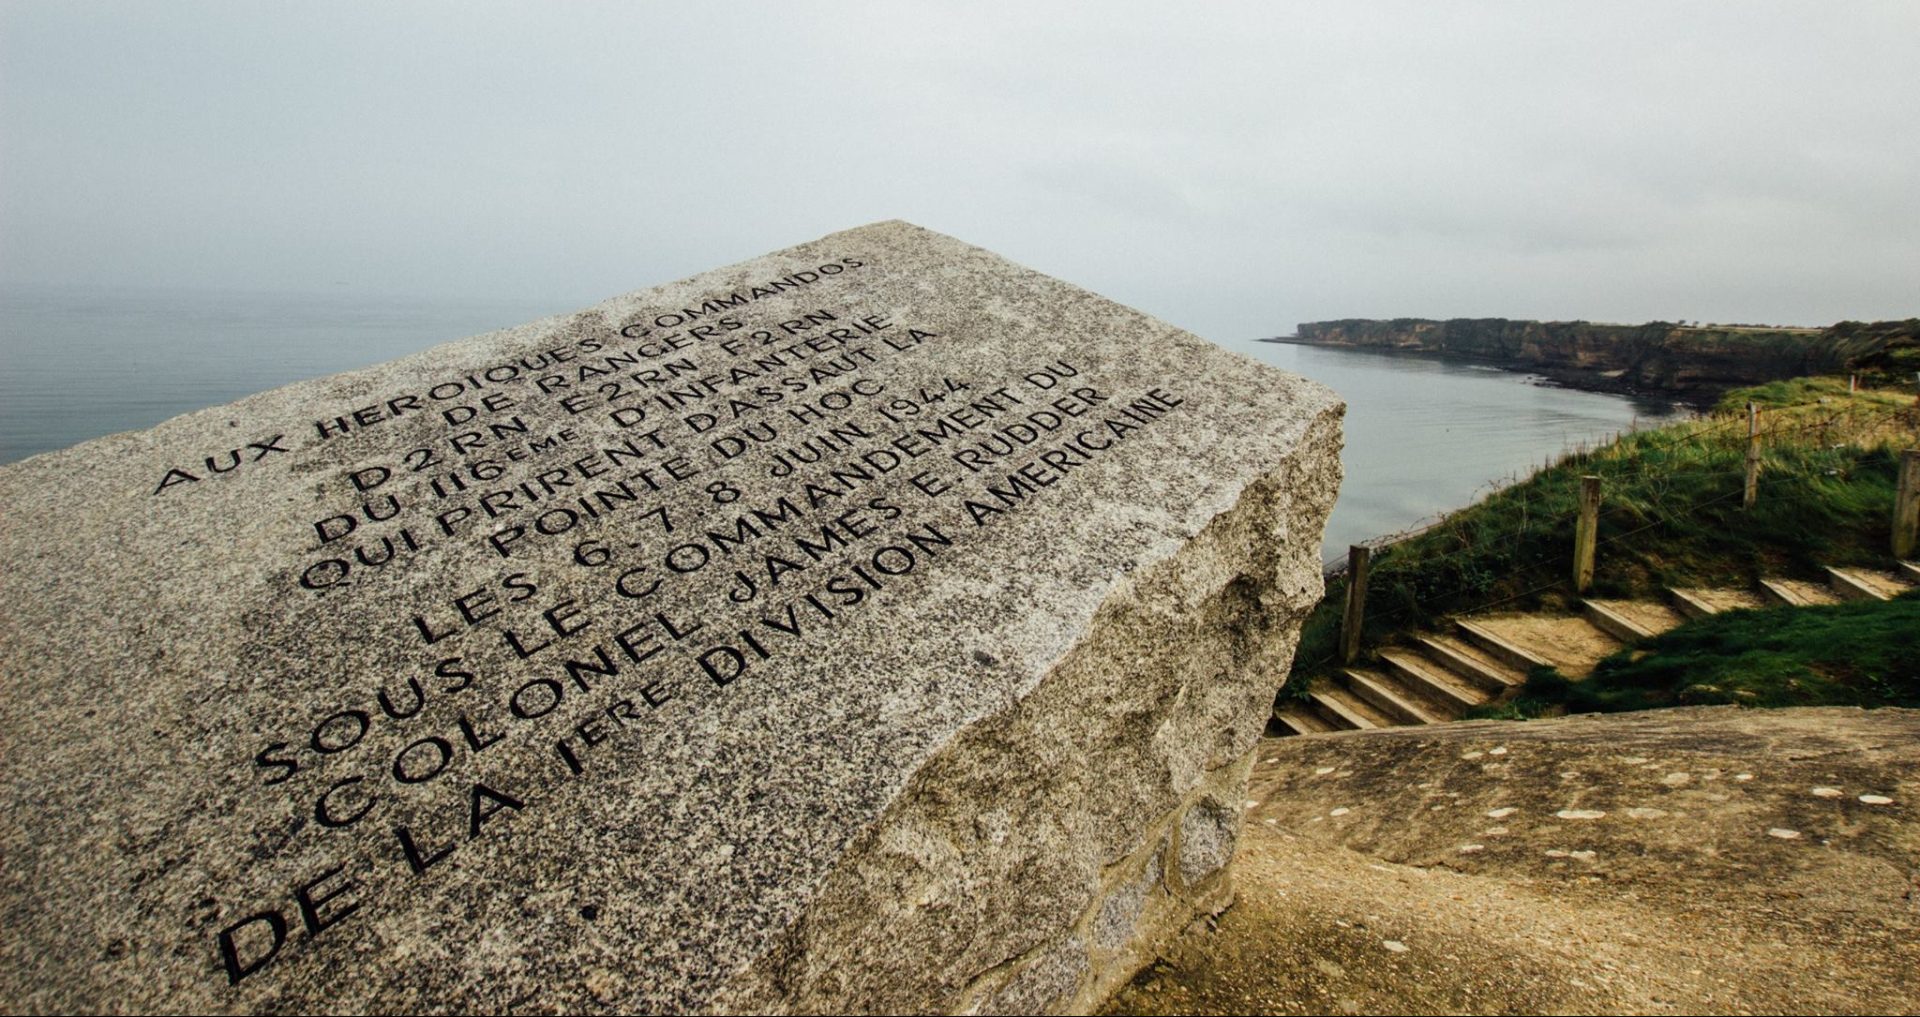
point(1437, 677)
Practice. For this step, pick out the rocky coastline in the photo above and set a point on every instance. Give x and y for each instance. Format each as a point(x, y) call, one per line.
point(1691, 363)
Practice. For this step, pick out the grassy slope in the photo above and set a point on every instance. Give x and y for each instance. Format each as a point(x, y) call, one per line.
point(1671, 515)
point(1865, 653)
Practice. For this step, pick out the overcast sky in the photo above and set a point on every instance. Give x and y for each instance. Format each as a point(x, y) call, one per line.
point(1233, 168)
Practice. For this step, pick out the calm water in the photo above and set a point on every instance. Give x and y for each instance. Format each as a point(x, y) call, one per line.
point(1426, 436)
point(77, 365)
point(1422, 436)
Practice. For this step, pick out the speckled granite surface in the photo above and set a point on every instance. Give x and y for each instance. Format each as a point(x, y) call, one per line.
point(873, 625)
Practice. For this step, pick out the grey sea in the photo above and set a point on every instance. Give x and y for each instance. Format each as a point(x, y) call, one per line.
point(1423, 436)
point(1427, 436)
point(78, 364)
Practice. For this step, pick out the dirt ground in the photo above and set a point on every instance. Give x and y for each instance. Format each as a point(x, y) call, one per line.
point(1678, 861)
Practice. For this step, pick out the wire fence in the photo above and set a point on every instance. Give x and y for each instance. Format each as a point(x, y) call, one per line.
point(1335, 564)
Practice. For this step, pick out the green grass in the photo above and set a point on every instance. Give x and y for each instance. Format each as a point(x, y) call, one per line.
point(1795, 393)
point(1865, 653)
point(1670, 515)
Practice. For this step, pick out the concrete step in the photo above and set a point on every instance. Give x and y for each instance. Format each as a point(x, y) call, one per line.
point(1847, 584)
point(1345, 711)
point(1910, 571)
point(1796, 593)
point(1569, 643)
point(1386, 695)
point(1863, 584)
point(1463, 659)
point(1701, 601)
point(1615, 622)
point(1652, 615)
point(1434, 682)
point(1690, 603)
point(1297, 718)
point(1496, 647)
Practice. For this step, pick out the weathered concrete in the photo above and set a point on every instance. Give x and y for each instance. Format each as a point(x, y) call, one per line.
point(1698, 860)
point(874, 625)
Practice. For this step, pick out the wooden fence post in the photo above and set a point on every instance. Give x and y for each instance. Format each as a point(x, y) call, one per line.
point(1585, 533)
point(1753, 457)
point(1906, 506)
point(1350, 622)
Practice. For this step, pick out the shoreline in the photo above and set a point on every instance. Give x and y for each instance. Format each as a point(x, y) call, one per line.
point(1698, 399)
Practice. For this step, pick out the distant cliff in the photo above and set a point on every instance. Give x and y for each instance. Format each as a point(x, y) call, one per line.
point(1658, 357)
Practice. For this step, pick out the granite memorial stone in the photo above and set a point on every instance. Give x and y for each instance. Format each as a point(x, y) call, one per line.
point(875, 625)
